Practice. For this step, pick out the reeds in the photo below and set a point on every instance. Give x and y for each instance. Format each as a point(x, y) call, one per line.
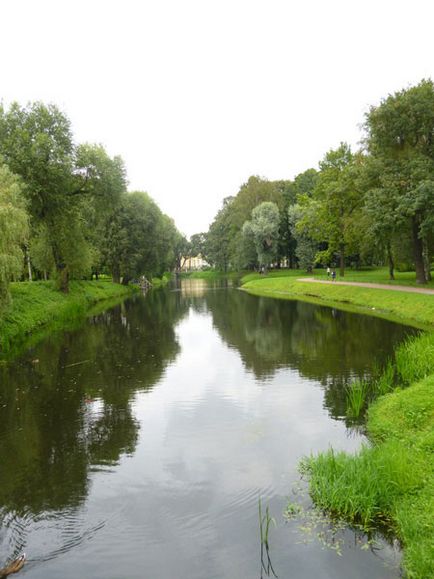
point(357, 396)
point(264, 529)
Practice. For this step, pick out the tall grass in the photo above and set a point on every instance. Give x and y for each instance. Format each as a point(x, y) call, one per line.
point(385, 382)
point(415, 358)
point(364, 487)
point(389, 484)
point(357, 397)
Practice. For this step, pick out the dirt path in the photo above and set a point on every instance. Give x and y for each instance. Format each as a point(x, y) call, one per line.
point(397, 288)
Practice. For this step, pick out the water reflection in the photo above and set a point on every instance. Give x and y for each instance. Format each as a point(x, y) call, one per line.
point(74, 409)
point(65, 407)
point(324, 344)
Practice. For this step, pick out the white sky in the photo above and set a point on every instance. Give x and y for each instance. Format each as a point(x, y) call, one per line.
point(198, 95)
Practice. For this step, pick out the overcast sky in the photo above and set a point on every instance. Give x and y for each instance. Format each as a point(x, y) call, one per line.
point(198, 95)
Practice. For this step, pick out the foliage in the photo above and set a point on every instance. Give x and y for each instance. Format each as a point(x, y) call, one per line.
point(13, 230)
point(264, 230)
point(331, 214)
point(401, 148)
point(139, 239)
point(307, 248)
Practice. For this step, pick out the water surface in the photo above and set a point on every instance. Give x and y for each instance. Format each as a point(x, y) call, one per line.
point(138, 445)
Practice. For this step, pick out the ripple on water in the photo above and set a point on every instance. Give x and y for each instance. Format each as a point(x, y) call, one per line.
point(46, 536)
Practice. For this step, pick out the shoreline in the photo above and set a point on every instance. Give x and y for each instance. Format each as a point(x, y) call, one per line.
point(38, 308)
point(391, 481)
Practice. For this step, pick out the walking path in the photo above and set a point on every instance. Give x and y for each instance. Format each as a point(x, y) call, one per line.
point(397, 288)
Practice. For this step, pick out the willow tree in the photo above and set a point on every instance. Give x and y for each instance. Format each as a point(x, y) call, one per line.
point(63, 182)
point(265, 231)
point(13, 231)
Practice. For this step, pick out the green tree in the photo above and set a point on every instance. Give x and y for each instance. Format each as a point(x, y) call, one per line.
point(139, 239)
point(400, 140)
point(332, 213)
point(13, 230)
point(220, 237)
point(306, 247)
point(62, 181)
point(265, 229)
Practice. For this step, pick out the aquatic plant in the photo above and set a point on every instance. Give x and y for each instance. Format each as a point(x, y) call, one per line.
point(386, 380)
point(264, 529)
point(357, 394)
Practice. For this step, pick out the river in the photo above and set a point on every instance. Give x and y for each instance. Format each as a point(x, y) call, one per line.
point(140, 444)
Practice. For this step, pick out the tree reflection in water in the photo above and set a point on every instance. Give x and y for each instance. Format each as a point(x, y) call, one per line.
point(66, 406)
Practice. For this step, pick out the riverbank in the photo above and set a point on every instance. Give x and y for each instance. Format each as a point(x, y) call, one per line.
point(211, 274)
point(391, 483)
point(417, 309)
point(37, 305)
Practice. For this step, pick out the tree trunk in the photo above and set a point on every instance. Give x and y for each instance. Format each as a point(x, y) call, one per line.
point(418, 252)
point(342, 260)
point(426, 261)
point(116, 274)
point(62, 272)
point(62, 277)
point(29, 265)
point(391, 262)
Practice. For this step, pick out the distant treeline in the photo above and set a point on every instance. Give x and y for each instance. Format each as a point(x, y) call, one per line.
point(372, 206)
point(64, 208)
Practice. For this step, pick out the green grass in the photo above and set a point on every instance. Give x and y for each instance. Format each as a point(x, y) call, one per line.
point(391, 483)
point(36, 305)
point(377, 275)
point(357, 396)
point(162, 281)
point(414, 308)
point(211, 274)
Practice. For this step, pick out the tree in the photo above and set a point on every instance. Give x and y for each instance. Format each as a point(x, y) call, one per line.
point(400, 140)
point(265, 228)
point(13, 230)
point(198, 244)
point(331, 214)
point(139, 238)
point(306, 248)
point(64, 184)
point(220, 236)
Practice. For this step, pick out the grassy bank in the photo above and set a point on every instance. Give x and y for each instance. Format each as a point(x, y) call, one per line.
point(38, 304)
point(408, 307)
point(211, 275)
point(390, 483)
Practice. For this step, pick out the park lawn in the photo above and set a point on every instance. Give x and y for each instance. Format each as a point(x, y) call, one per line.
point(38, 304)
point(377, 275)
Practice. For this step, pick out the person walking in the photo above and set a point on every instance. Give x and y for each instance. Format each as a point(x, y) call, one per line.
point(333, 275)
point(328, 271)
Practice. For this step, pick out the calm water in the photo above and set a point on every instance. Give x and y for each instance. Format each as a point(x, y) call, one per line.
point(138, 445)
